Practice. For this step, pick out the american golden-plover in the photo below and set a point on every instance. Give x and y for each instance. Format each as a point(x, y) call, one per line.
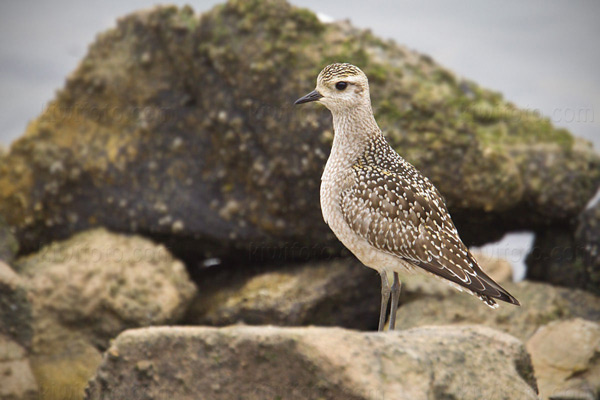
point(380, 207)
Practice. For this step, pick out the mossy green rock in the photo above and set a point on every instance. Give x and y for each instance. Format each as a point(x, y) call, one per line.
point(181, 127)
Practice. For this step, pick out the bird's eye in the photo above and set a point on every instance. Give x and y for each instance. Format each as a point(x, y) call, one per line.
point(341, 85)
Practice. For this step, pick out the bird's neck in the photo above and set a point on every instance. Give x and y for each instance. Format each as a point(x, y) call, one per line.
point(353, 132)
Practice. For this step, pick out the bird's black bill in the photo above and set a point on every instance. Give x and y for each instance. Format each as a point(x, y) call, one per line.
point(312, 96)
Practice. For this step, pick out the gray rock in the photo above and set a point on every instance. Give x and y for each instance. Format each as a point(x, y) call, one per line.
point(182, 128)
point(17, 381)
point(16, 321)
point(314, 363)
point(8, 243)
point(340, 292)
point(101, 283)
point(540, 304)
point(587, 245)
point(565, 359)
point(570, 259)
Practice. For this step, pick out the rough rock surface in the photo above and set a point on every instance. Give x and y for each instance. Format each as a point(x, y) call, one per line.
point(182, 127)
point(8, 243)
point(72, 297)
point(15, 308)
point(565, 356)
point(16, 378)
point(63, 360)
point(570, 259)
point(340, 292)
point(587, 245)
point(314, 363)
point(540, 304)
point(100, 283)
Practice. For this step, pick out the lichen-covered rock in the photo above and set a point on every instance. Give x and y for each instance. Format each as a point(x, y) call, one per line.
point(565, 359)
point(17, 381)
point(100, 283)
point(341, 292)
point(314, 363)
point(15, 308)
point(540, 304)
point(182, 127)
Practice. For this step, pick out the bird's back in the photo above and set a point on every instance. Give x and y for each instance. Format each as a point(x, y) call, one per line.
point(387, 206)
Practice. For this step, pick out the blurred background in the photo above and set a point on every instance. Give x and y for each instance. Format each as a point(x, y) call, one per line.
point(172, 182)
point(541, 55)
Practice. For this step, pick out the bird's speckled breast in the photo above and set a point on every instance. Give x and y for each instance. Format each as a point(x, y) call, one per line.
point(332, 187)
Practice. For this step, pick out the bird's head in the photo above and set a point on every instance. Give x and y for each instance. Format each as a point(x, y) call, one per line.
point(340, 87)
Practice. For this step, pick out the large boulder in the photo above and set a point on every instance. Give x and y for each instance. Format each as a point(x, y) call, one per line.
point(565, 359)
point(181, 127)
point(314, 363)
point(100, 283)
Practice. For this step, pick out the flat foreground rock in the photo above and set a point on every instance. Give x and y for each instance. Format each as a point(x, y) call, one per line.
point(240, 362)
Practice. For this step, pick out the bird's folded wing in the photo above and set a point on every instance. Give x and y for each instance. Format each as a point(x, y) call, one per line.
point(403, 214)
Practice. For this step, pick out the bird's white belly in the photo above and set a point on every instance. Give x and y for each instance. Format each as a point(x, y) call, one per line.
point(365, 252)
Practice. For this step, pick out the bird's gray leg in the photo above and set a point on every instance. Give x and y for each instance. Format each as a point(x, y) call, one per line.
point(385, 297)
point(396, 288)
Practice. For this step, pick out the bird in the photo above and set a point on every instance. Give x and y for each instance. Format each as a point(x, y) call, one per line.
point(386, 212)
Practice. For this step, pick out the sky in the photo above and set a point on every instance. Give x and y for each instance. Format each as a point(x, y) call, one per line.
point(541, 54)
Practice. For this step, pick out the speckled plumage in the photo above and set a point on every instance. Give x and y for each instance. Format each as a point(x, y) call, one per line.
point(380, 206)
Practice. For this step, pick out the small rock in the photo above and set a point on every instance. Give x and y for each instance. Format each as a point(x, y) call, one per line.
point(17, 381)
point(565, 359)
point(443, 362)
